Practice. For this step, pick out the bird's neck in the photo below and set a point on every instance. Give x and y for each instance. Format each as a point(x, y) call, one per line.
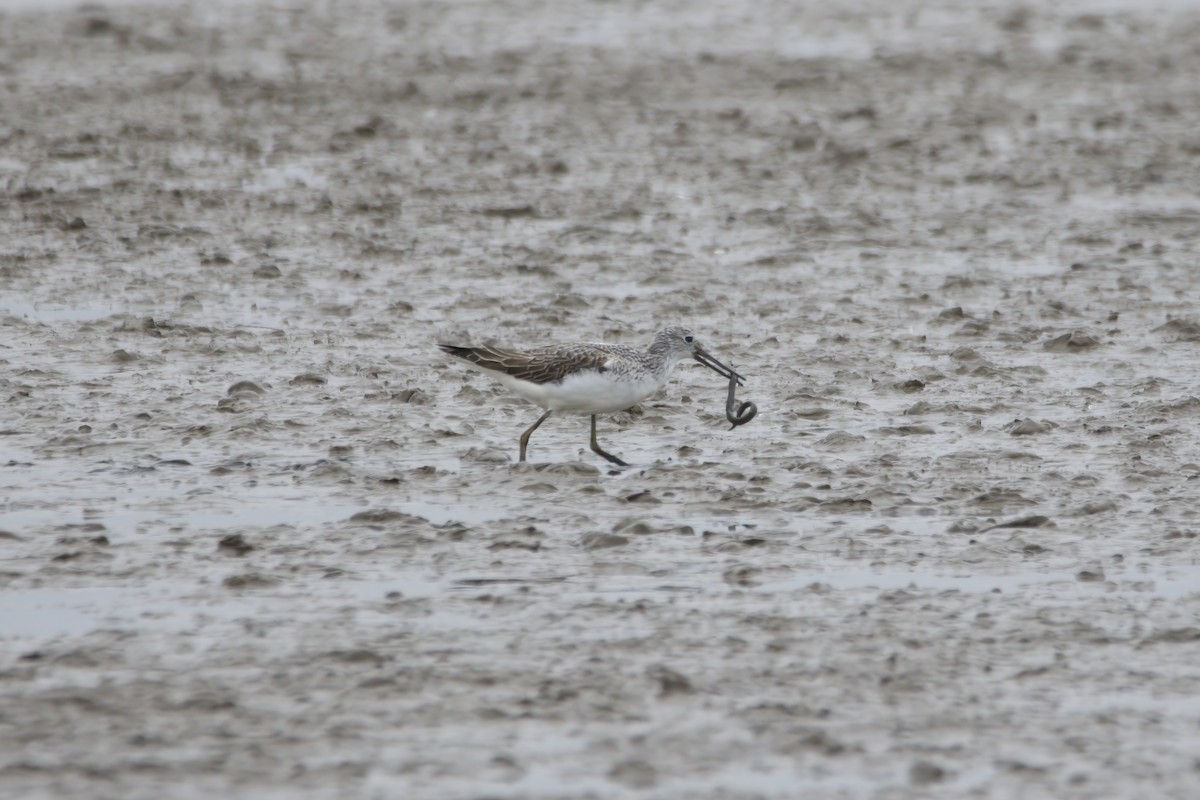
point(664, 362)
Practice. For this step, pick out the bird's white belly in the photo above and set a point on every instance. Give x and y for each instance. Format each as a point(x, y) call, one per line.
point(585, 392)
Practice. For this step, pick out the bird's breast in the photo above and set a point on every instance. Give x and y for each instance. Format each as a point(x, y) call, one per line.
point(587, 392)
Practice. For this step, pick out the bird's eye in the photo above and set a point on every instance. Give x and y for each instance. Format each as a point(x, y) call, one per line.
point(689, 339)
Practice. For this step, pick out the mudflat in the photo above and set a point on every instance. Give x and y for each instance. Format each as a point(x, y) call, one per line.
point(260, 538)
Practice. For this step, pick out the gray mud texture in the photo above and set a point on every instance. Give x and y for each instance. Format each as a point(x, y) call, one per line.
point(259, 538)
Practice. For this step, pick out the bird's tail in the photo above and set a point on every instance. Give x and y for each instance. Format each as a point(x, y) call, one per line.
point(460, 352)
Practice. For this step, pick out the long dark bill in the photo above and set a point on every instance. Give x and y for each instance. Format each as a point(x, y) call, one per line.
point(705, 358)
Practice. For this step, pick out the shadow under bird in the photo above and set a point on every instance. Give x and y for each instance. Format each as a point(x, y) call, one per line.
point(589, 378)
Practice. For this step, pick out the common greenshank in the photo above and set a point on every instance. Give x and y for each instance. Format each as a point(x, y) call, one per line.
point(587, 377)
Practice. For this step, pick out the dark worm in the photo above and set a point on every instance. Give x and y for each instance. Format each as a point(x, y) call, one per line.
point(735, 413)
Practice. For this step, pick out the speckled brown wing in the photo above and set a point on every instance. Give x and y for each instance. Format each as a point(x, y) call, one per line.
point(542, 365)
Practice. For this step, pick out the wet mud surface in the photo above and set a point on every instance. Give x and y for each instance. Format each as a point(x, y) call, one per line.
point(259, 538)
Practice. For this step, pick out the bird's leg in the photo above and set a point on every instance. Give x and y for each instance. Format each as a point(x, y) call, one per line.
point(596, 447)
point(529, 430)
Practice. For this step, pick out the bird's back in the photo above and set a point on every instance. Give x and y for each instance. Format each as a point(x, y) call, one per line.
point(578, 377)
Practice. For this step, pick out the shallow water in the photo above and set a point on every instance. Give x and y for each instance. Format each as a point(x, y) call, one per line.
point(260, 538)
